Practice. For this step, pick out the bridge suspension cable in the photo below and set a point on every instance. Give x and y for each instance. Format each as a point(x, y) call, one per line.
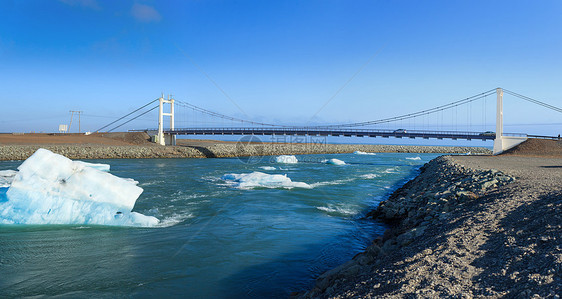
point(130, 120)
point(215, 114)
point(357, 124)
point(415, 114)
point(453, 106)
point(533, 101)
point(111, 123)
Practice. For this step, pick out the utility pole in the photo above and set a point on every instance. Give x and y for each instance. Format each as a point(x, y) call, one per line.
point(72, 114)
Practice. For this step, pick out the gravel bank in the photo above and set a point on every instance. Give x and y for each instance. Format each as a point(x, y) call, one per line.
point(97, 151)
point(465, 227)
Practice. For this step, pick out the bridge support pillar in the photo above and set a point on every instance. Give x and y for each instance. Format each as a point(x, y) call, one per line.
point(168, 139)
point(503, 143)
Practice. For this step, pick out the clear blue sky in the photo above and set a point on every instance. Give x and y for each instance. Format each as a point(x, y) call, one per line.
point(279, 61)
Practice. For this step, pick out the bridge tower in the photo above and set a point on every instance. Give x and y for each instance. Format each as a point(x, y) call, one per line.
point(503, 143)
point(170, 139)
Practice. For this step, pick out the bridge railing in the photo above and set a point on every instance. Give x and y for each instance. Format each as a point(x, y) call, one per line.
point(347, 132)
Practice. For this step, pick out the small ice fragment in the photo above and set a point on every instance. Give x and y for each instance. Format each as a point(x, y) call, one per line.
point(258, 179)
point(6, 178)
point(363, 153)
point(267, 167)
point(286, 159)
point(333, 162)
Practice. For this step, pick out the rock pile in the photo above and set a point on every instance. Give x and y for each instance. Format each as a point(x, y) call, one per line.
point(440, 187)
point(96, 151)
point(423, 203)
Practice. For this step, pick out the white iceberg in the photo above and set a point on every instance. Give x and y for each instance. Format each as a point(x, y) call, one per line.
point(258, 179)
point(286, 159)
point(52, 189)
point(6, 178)
point(102, 167)
point(333, 161)
point(364, 153)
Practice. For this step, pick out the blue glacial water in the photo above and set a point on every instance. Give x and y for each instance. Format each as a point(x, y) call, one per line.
point(216, 240)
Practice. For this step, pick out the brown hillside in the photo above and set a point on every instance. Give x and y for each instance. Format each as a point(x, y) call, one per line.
point(537, 148)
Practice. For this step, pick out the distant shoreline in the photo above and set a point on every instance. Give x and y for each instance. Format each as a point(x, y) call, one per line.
point(137, 146)
point(96, 151)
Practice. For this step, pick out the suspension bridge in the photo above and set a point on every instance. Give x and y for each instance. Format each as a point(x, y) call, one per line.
point(237, 126)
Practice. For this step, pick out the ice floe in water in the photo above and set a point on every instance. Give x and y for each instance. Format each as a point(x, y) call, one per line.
point(334, 162)
point(258, 179)
point(414, 158)
point(286, 159)
point(363, 153)
point(52, 189)
point(267, 167)
point(6, 178)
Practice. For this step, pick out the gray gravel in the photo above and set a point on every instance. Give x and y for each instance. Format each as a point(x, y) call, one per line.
point(93, 151)
point(465, 227)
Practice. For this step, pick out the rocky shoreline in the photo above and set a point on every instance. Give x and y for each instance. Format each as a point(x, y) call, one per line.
point(97, 151)
point(459, 231)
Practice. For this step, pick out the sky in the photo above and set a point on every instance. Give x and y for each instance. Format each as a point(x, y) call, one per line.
point(289, 62)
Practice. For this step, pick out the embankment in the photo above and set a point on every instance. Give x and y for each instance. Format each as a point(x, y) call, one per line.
point(466, 226)
point(217, 150)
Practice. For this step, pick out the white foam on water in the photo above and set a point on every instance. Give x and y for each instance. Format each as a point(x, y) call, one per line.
point(333, 162)
point(414, 158)
point(52, 189)
point(180, 197)
point(258, 179)
point(286, 159)
point(150, 183)
point(390, 170)
point(174, 220)
point(267, 168)
point(334, 182)
point(370, 176)
point(332, 209)
point(6, 178)
point(364, 153)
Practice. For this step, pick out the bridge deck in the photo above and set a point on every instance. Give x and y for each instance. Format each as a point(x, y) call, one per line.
point(334, 132)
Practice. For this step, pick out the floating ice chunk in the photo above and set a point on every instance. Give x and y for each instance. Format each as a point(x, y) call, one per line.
point(102, 167)
point(258, 179)
point(334, 162)
point(414, 158)
point(286, 159)
point(363, 153)
point(6, 178)
point(267, 167)
point(52, 189)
